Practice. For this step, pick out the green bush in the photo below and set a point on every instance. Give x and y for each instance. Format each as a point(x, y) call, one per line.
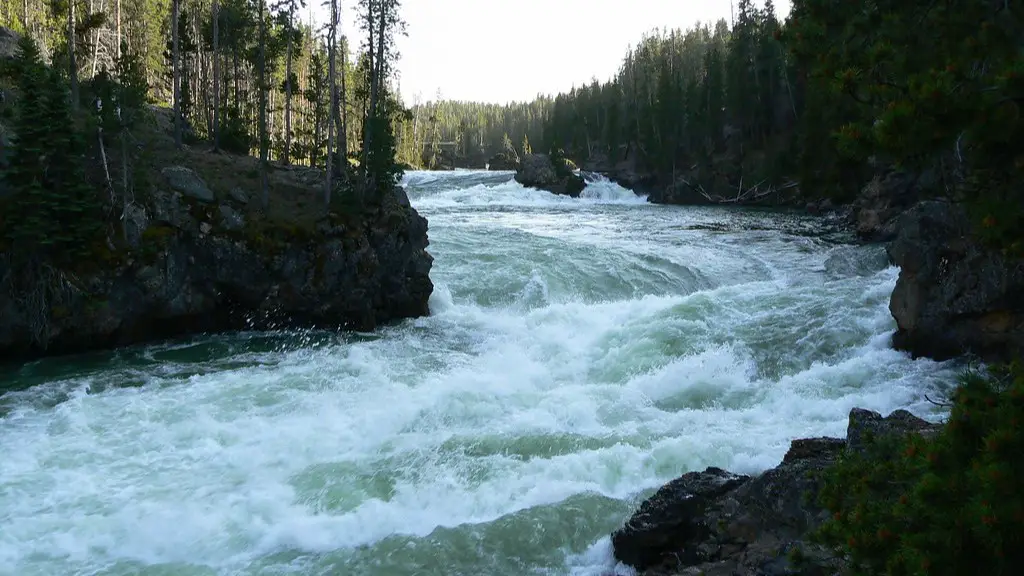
point(950, 504)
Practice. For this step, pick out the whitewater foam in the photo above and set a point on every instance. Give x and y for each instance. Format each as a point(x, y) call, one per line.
point(579, 354)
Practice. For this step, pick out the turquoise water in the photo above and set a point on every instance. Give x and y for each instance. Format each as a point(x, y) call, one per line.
point(579, 354)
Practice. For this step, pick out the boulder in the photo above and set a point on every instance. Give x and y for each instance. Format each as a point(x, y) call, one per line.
point(556, 175)
point(239, 195)
point(186, 181)
point(866, 426)
point(954, 296)
point(715, 522)
point(503, 161)
point(628, 173)
point(231, 219)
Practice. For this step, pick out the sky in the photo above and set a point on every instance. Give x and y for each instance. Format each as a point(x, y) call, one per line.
point(513, 50)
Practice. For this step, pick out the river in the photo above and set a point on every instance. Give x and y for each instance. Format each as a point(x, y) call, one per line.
point(579, 354)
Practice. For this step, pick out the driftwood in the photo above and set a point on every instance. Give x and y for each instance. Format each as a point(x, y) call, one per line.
point(750, 194)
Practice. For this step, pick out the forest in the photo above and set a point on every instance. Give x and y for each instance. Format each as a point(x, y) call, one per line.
point(721, 111)
point(244, 75)
point(835, 94)
point(91, 81)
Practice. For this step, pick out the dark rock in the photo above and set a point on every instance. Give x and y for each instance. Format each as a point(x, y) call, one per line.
point(954, 296)
point(357, 274)
point(822, 207)
point(714, 522)
point(503, 161)
point(883, 199)
point(231, 219)
point(136, 222)
point(186, 181)
point(8, 43)
point(866, 426)
point(674, 515)
point(554, 175)
point(628, 171)
point(239, 195)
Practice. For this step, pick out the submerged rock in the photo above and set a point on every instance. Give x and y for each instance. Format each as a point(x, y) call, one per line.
point(556, 175)
point(715, 522)
point(954, 296)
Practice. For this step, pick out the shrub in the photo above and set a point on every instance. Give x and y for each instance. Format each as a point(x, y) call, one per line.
point(951, 504)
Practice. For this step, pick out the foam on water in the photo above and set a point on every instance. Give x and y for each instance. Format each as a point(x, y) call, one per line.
point(579, 354)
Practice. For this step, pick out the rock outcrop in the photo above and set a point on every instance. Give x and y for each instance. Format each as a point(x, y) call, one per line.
point(881, 202)
point(198, 266)
point(954, 296)
point(503, 161)
point(721, 524)
point(626, 172)
point(8, 42)
point(552, 174)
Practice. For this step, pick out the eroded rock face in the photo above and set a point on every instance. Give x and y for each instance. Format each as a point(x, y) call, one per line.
point(542, 172)
point(953, 295)
point(715, 522)
point(195, 276)
point(883, 200)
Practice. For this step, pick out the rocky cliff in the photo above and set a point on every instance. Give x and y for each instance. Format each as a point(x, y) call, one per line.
point(198, 261)
point(715, 523)
point(954, 295)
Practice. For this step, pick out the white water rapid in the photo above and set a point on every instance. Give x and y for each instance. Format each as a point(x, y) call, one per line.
point(580, 353)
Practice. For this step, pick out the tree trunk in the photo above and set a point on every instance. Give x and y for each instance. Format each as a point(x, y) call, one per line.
point(343, 138)
point(72, 65)
point(216, 74)
point(262, 90)
point(118, 29)
point(176, 67)
point(124, 185)
point(96, 38)
point(288, 92)
point(367, 125)
point(332, 40)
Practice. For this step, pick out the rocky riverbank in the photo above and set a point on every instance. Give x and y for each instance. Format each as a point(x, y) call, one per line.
point(201, 259)
point(715, 523)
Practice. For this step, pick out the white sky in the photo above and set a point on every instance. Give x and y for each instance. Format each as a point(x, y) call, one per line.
point(504, 50)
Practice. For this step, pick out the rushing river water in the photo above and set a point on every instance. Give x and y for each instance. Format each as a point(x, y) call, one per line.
point(579, 354)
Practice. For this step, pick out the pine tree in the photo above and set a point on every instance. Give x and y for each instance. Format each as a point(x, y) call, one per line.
point(29, 224)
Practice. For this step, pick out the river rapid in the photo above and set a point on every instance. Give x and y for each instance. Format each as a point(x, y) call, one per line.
point(579, 354)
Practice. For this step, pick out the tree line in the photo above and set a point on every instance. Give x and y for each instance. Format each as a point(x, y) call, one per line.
point(827, 98)
point(242, 75)
point(473, 132)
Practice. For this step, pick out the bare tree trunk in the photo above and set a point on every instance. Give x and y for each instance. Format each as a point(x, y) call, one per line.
point(262, 89)
point(216, 74)
point(72, 64)
point(343, 138)
point(332, 41)
point(288, 92)
point(367, 125)
point(118, 29)
point(124, 186)
point(95, 38)
point(176, 66)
